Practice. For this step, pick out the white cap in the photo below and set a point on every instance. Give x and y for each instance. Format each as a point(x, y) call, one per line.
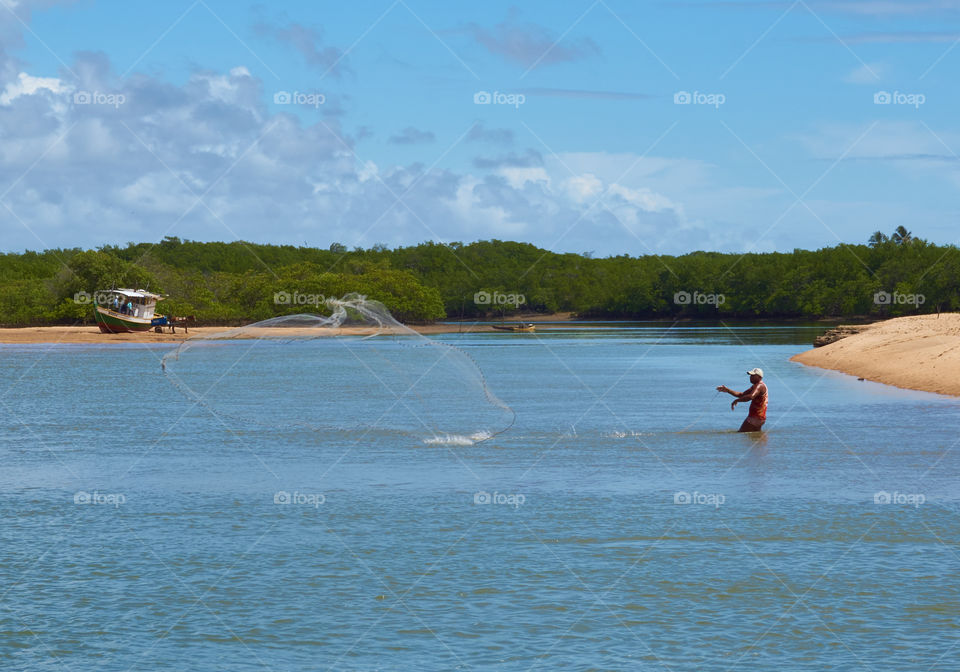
point(755, 372)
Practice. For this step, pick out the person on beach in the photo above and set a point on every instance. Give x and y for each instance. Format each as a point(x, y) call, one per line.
point(756, 395)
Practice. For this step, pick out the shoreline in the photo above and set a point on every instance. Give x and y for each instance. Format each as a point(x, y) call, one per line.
point(91, 335)
point(919, 352)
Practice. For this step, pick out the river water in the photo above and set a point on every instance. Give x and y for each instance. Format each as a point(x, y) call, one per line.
point(621, 523)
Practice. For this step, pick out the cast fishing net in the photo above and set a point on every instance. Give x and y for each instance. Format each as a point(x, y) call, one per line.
point(357, 371)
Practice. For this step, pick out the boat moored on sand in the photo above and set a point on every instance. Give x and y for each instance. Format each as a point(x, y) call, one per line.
point(119, 311)
point(528, 327)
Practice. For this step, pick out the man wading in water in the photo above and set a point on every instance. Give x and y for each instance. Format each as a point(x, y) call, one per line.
point(757, 396)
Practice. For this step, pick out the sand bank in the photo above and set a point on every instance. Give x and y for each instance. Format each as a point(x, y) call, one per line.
point(920, 352)
point(91, 334)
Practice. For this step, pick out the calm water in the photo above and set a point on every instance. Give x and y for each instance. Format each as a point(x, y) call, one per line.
point(578, 555)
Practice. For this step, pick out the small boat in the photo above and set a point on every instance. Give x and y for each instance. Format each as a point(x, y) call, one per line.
point(528, 327)
point(119, 311)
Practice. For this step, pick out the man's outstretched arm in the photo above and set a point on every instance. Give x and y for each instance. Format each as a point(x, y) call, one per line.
point(746, 395)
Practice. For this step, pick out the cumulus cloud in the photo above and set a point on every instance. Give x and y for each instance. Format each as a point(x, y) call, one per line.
point(208, 160)
point(91, 158)
point(25, 85)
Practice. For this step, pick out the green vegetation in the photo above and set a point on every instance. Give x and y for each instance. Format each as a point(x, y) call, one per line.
point(223, 283)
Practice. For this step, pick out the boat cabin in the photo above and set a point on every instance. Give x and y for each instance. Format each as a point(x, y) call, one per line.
point(133, 302)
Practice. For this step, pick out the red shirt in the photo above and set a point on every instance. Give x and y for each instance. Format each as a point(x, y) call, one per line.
point(758, 405)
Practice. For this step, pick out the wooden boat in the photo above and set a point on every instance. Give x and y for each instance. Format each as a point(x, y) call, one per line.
point(120, 311)
point(515, 327)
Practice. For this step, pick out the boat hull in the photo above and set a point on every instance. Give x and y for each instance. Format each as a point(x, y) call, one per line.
point(115, 323)
point(509, 328)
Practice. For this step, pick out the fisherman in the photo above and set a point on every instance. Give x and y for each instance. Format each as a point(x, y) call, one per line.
point(756, 395)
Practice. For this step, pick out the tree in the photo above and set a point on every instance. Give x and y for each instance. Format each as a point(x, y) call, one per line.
point(901, 236)
point(240, 282)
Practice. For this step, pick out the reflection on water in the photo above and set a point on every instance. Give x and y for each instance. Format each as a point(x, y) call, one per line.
point(622, 523)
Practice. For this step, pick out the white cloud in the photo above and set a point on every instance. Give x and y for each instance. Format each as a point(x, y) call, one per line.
point(26, 85)
point(644, 199)
point(113, 173)
point(582, 188)
point(518, 177)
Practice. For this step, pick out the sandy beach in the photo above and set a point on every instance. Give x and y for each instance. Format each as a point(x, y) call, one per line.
point(920, 352)
point(90, 334)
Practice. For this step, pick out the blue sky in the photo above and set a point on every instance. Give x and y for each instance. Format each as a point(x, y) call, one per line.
point(588, 147)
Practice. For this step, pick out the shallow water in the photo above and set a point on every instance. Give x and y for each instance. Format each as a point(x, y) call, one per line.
point(563, 543)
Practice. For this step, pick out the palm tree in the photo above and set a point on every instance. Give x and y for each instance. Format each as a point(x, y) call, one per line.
point(878, 238)
point(901, 236)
